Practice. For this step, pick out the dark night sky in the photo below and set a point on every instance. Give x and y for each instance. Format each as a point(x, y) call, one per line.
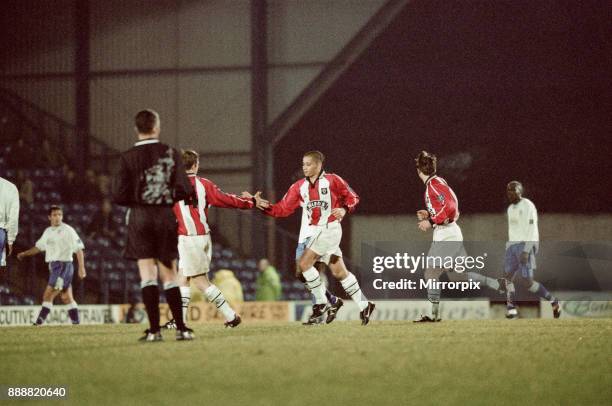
point(498, 90)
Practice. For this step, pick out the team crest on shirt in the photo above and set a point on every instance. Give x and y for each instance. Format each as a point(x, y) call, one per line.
point(324, 191)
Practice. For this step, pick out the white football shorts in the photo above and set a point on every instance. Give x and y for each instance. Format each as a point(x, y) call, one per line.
point(326, 240)
point(447, 242)
point(195, 254)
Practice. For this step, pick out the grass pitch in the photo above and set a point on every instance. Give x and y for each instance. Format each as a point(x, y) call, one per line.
point(493, 362)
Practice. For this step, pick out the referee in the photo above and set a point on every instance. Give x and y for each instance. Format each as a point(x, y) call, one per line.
point(9, 218)
point(151, 179)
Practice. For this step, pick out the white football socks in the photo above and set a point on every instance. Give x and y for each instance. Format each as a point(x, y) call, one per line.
point(215, 296)
point(185, 299)
point(315, 285)
point(351, 287)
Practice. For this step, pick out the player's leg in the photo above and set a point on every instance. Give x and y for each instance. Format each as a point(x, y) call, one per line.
point(167, 253)
point(487, 281)
point(311, 276)
point(47, 303)
point(214, 295)
point(185, 289)
point(73, 310)
point(150, 292)
point(432, 275)
point(141, 245)
point(511, 266)
point(351, 287)
point(184, 245)
point(169, 277)
point(526, 273)
point(54, 285)
point(320, 267)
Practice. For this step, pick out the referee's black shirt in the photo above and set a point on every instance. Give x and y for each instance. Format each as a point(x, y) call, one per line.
point(151, 173)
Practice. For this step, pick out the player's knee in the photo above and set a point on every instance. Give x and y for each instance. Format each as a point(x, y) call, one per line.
point(339, 272)
point(304, 265)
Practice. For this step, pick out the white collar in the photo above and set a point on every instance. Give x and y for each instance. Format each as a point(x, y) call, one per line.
point(146, 141)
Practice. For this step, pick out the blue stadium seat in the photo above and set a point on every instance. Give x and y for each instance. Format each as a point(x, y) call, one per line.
point(227, 253)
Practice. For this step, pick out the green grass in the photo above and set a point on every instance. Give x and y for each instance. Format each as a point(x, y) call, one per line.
point(496, 362)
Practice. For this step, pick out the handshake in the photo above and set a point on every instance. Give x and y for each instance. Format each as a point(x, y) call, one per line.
point(259, 201)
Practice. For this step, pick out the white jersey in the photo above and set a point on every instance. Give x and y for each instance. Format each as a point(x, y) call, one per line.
point(523, 224)
point(9, 209)
point(59, 243)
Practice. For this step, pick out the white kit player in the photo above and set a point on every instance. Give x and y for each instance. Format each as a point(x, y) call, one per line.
point(59, 242)
point(195, 245)
point(9, 218)
point(327, 198)
point(521, 250)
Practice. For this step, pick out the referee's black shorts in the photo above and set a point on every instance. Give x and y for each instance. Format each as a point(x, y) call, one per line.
point(152, 233)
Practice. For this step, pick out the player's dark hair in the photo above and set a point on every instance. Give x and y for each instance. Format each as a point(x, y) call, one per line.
point(426, 163)
point(54, 208)
point(516, 185)
point(318, 155)
point(146, 121)
point(190, 158)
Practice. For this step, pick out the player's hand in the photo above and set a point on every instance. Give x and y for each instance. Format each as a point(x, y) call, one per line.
point(524, 258)
point(246, 195)
point(422, 215)
point(82, 273)
point(20, 256)
point(10, 249)
point(339, 213)
point(260, 202)
point(424, 225)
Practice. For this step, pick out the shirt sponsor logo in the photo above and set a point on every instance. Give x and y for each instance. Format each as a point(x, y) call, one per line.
point(313, 204)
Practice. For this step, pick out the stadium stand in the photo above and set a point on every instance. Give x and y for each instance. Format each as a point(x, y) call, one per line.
point(111, 279)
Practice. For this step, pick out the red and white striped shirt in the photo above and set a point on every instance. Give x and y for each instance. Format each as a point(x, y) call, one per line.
point(193, 218)
point(441, 201)
point(328, 192)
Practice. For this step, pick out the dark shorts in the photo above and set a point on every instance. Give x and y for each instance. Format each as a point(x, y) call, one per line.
point(60, 275)
point(152, 233)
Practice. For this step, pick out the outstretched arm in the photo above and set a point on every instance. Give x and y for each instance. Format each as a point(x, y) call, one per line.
point(218, 198)
point(287, 205)
point(257, 200)
point(32, 251)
